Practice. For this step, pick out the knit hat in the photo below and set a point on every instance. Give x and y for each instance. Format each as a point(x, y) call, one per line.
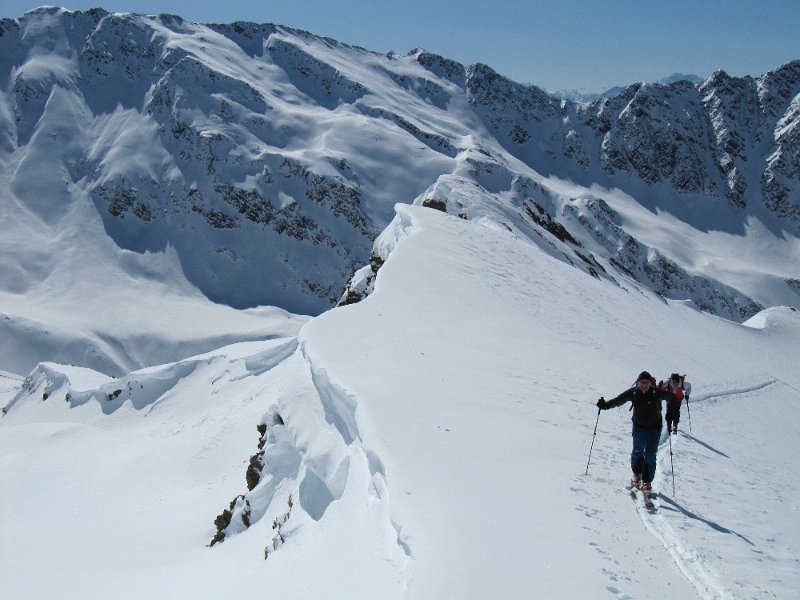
point(644, 375)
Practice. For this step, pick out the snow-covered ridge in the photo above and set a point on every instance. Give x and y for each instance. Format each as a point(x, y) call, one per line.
point(307, 455)
point(441, 423)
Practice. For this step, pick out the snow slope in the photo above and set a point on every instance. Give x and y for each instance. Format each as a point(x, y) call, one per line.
point(72, 296)
point(430, 441)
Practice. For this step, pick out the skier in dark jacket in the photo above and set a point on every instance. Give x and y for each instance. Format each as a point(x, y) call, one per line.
point(647, 419)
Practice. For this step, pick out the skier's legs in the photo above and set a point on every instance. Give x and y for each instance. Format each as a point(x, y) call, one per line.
point(637, 453)
point(672, 412)
point(651, 439)
point(673, 415)
point(643, 455)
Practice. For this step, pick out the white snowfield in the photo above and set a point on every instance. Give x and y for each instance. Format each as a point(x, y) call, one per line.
point(430, 442)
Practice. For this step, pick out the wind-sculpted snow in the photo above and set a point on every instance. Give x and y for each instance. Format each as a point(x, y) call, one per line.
point(308, 451)
point(52, 380)
point(257, 364)
point(139, 390)
point(775, 319)
point(301, 464)
point(362, 283)
point(339, 407)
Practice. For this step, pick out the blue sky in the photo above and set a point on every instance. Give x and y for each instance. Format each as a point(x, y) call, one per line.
point(554, 44)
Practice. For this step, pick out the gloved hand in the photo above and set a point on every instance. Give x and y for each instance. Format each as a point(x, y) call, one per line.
point(686, 397)
point(601, 404)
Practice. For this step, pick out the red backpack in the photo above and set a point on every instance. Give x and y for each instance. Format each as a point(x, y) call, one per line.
point(672, 386)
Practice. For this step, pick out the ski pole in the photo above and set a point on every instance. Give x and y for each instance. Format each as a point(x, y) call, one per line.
point(689, 412)
point(671, 464)
point(593, 436)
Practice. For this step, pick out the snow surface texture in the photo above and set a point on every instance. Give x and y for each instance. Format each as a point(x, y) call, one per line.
point(254, 165)
point(428, 442)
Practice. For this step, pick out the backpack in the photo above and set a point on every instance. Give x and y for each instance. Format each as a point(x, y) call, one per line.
point(668, 385)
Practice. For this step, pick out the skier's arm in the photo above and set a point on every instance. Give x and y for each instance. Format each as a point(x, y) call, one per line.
point(687, 389)
point(618, 401)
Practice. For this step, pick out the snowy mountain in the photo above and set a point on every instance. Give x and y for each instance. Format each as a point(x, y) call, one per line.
point(176, 198)
point(255, 165)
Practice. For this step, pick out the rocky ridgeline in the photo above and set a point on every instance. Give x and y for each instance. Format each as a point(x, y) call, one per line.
point(731, 138)
point(270, 158)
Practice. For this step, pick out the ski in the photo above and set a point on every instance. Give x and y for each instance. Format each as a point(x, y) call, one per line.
point(647, 497)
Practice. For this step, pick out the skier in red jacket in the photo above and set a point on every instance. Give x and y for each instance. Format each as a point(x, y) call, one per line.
point(678, 385)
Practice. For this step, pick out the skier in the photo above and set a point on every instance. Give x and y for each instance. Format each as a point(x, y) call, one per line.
point(646, 401)
point(678, 385)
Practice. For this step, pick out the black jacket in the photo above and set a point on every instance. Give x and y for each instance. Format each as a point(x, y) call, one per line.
point(646, 407)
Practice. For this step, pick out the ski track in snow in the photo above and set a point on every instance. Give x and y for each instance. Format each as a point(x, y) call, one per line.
point(704, 578)
point(733, 392)
point(700, 574)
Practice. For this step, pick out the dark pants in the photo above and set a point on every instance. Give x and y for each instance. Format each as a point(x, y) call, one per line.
point(673, 413)
point(643, 456)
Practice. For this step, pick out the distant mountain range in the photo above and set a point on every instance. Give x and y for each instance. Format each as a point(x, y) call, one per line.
point(269, 159)
point(584, 95)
